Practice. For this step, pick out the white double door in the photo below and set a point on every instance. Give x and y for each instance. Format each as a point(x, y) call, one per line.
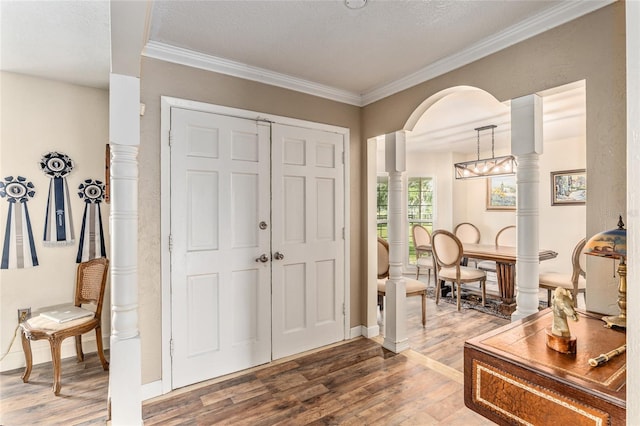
point(257, 257)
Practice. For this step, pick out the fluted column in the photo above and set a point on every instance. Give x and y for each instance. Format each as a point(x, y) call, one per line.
point(395, 327)
point(526, 144)
point(125, 398)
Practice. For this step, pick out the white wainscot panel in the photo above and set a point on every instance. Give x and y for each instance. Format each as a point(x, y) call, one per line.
point(202, 207)
point(325, 291)
point(294, 209)
point(245, 301)
point(295, 297)
point(202, 142)
point(203, 298)
point(326, 222)
point(244, 146)
point(244, 209)
point(294, 151)
point(326, 155)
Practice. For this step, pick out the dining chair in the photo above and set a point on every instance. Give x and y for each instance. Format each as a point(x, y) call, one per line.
point(91, 278)
point(412, 287)
point(467, 233)
point(505, 237)
point(576, 281)
point(421, 242)
point(447, 253)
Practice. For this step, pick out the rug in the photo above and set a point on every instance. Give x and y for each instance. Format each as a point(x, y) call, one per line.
point(472, 300)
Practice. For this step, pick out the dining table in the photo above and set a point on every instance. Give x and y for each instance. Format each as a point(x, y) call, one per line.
point(505, 258)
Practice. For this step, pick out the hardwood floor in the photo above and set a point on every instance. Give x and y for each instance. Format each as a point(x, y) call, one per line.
point(353, 382)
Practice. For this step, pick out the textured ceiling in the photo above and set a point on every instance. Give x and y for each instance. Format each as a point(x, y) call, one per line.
point(327, 43)
point(314, 43)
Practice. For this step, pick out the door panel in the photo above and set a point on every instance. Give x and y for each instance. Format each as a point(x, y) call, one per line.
point(230, 310)
point(221, 310)
point(308, 221)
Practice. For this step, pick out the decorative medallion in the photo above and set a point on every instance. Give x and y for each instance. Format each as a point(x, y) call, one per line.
point(58, 225)
point(91, 235)
point(18, 249)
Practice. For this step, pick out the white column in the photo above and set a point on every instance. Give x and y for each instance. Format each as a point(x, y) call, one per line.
point(395, 327)
point(526, 144)
point(125, 397)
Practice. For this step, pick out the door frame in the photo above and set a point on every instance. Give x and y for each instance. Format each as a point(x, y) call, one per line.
point(166, 103)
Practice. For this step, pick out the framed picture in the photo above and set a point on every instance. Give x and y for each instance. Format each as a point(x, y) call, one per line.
point(568, 187)
point(501, 193)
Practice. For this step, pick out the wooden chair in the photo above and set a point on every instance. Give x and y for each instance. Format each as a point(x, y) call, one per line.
point(467, 233)
point(413, 287)
point(505, 237)
point(447, 252)
point(576, 281)
point(422, 240)
point(91, 278)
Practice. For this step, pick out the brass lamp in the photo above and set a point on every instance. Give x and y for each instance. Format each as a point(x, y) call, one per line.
point(613, 244)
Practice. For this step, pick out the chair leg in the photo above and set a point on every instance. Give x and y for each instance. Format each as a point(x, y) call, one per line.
point(55, 358)
point(26, 347)
point(417, 272)
point(79, 353)
point(457, 294)
point(438, 288)
point(424, 309)
point(548, 297)
point(483, 283)
point(105, 363)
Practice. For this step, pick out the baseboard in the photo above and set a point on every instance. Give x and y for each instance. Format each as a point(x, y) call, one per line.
point(151, 390)
point(41, 351)
point(361, 330)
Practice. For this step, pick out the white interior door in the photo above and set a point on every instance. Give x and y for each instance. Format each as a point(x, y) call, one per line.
point(308, 227)
point(220, 294)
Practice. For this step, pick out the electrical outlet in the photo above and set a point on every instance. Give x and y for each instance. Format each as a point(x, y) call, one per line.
point(24, 314)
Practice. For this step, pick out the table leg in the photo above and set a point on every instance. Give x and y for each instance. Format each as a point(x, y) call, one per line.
point(506, 274)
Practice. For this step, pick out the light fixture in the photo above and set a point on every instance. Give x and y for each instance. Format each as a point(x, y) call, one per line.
point(494, 166)
point(355, 4)
point(613, 245)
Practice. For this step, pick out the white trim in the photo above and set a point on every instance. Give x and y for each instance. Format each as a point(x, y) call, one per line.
point(190, 58)
point(365, 331)
point(153, 389)
point(165, 231)
point(550, 18)
point(166, 103)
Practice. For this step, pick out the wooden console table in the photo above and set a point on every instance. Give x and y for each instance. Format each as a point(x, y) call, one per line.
point(512, 377)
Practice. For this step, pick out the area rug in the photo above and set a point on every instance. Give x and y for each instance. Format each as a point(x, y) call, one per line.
point(472, 300)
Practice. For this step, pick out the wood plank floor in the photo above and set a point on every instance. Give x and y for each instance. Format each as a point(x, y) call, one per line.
point(353, 382)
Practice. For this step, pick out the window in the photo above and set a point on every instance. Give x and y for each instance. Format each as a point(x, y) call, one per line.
point(382, 206)
point(419, 207)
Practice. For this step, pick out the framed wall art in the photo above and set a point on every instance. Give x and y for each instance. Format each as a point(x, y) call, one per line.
point(568, 187)
point(501, 193)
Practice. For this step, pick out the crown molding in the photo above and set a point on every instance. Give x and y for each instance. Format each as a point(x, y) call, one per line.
point(190, 58)
point(553, 17)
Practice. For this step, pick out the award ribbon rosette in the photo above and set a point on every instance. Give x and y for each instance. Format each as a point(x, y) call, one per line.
point(58, 225)
point(18, 249)
point(91, 235)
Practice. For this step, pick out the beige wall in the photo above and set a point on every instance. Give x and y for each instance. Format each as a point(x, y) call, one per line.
point(165, 79)
point(39, 116)
point(590, 48)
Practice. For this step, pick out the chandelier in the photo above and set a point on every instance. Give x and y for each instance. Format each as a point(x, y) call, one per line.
point(494, 166)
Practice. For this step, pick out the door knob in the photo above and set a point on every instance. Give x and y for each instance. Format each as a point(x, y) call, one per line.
point(263, 258)
point(278, 256)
